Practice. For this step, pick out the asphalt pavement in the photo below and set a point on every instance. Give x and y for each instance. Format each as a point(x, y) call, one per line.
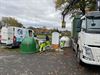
point(46, 63)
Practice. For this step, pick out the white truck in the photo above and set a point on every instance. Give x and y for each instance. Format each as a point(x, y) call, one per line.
point(86, 38)
point(13, 36)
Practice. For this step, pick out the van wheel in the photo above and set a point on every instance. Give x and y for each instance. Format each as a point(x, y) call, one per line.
point(10, 47)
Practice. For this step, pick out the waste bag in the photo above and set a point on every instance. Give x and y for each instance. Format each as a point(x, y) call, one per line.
point(29, 45)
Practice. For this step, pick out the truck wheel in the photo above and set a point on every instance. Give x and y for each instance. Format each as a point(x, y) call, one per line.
point(78, 57)
point(73, 47)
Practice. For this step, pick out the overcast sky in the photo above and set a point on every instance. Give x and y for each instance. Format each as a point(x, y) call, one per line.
point(31, 12)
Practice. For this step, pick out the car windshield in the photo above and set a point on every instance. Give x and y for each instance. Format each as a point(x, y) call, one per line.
point(93, 25)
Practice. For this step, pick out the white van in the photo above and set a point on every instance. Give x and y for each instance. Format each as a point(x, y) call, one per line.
point(13, 36)
point(0, 37)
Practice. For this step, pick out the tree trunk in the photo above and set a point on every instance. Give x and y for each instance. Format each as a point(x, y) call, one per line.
point(63, 21)
point(83, 11)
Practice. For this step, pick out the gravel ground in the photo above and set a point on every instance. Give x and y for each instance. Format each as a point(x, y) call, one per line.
point(46, 63)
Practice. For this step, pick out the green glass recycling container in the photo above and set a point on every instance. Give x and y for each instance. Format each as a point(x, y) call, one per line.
point(28, 45)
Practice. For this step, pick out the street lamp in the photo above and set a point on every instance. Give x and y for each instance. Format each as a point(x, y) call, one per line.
point(98, 5)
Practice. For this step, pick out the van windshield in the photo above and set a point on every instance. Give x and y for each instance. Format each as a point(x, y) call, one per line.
point(93, 25)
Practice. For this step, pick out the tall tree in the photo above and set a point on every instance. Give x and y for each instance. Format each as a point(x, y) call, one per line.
point(81, 5)
point(77, 5)
point(0, 25)
point(9, 21)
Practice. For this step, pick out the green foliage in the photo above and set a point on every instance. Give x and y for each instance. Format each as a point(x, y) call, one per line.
point(30, 27)
point(54, 30)
point(60, 2)
point(11, 22)
point(81, 5)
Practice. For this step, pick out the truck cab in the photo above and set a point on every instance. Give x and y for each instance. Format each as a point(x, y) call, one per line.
point(86, 41)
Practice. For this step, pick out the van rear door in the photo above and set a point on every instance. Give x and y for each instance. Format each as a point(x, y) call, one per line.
point(4, 35)
point(19, 34)
point(30, 33)
point(10, 35)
